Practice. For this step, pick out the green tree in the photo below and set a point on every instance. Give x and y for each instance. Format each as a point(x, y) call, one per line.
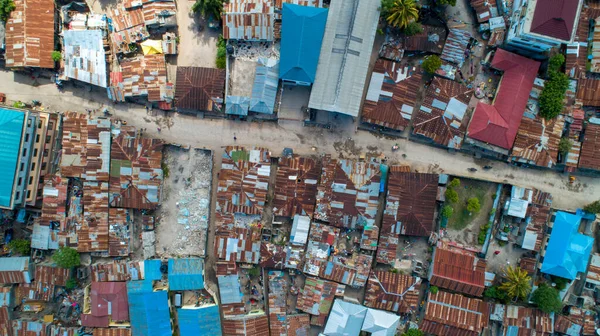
point(593, 207)
point(561, 283)
point(413, 28)
point(517, 284)
point(547, 299)
point(56, 56)
point(207, 8)
point(451, 195)
point(447, 211)
point(20, 246)
point(402, 13)
point(221, 53)
point(413, 332)
point(431, 63)
point(434, 289)
point(564, 146)
point(445, 2)
point(553, 94)
point(455, 183)
point(6, 6)
point(254, 272)
point(473, 205)
point(496, 293)
point(71, 283)
point(66, 257)
point(386, 7)
point(555, 63)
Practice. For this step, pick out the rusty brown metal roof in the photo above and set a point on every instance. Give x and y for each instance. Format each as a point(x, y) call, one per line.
point(576, 53)
point(369, 238)
point(298, 325)
point(243, 180)
point(436, 118)
point(316, 298)
point(238, 245)
point(482, 10)
point(246, 325)
point(296, 186)
point(537, 141)
point(430, 40)
point(118, 234)
point(278, 289)
point(126, 18)
point(200, 89)
point(458, 270)
point(35, 291)
point(117, 270)
point(539, 213)
point(145, 76)
point(530, 321)
point(5, 321)
point(454, 314)
point(589, 158)
point(135, 174)
point(352, 271)
point(54, 202)
point(308, 3)
point(411, 203)
point(56, 276)
point(121, 40)
point(112, 332)
point(587, 91)
point(390, 102)
point(249, 20)
point(387, 248)
point(395, 292)
point(272, 256)
point(528, 264)
point(348, 194)
point(30, 34)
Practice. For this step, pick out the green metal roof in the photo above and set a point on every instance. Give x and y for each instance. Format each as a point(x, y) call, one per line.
point(11, 132)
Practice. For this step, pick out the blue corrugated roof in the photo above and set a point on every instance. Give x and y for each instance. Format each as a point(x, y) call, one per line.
point(237, 105)
point(139, 286)
point(302, 32)
point(149, 313)
point(568, 251)
point(264, 90)
point(229, 288)
point(152, 269)
point(11, 132)
point(199, 321)
point(186, 274)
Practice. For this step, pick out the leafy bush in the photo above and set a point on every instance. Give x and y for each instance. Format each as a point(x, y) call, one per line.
point(451, 195)
point(493, 211)
point(552, 97)
point(455, 183)
point(445, 2)
point(254, 271)
point(413, 28)
point(6, 6)
point(447, 211)
point(547, 299)
point(564, 146)
point(496, 293)
point(473, 205)
point(221, 61)
point(432, 63)
point(20, 246)
point(413, 332)
point(556, 62)
point(66, 257)
point(483, 233)
point(19, 104)
point(434, 289)
point(71, 283)
point(56, 56)
point(561, 283)
point(593, 207)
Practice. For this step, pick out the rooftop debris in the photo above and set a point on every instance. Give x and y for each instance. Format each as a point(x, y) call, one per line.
point(117, 271)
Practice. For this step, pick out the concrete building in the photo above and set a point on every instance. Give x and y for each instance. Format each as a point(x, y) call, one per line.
point(542, 25)
point(43, 160)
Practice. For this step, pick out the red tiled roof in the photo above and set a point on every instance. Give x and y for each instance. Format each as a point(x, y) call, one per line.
point(458, 270)
point(497, 124)
point(113, 295)
point(555, 18)
point(455, 315)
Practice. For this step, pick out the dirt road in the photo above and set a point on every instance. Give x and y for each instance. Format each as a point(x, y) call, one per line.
point(214, 134)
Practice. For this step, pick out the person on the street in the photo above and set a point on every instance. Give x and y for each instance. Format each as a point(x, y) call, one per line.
point(158, 129)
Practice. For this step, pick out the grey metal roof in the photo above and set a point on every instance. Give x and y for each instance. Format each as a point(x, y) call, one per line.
point(85, 59)
point(229, 288)
point(264, 90)
point(237, 105)
point(345, 55)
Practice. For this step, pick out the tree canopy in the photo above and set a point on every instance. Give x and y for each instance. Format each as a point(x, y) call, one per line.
point(432, 63)
point(451, 195)
point(593, 207)
point(66, 257)
point(20, 246)
point(413, 332)
point(6, 6)
point(552, 97)
point(447, 211)
point(473, 205)
point(555, 63)
point(445, 2)
point(547, 299)
point(517, 284)
point(413, 28)
point(402, 13)
point(207, 8)
point(564, 146)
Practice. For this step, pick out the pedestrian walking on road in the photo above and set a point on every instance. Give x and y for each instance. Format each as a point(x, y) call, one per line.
point(234, 138)
point(158, 129)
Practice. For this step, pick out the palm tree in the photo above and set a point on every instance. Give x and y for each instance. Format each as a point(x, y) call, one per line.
point(402, 13)
point(517, 284)
point(208, 7)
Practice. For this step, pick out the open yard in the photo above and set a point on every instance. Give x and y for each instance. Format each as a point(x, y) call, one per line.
point(463, 226)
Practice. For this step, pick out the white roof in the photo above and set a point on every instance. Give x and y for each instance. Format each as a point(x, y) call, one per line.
point(345, 319)
point(380, 323)
point(345, 55)
point(517, 208)
point(300, 228)
point(85, 59)
point(529, 240)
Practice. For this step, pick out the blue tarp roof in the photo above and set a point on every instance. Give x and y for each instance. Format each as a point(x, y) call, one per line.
point(302, 32)
point(11, 132)
point(149, 313)
point(186, 274)
point(199, 321)
point(568, 251)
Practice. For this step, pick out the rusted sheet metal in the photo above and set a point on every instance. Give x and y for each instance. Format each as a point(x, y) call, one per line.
point(458, 270)
point(589, 157)
point(538, 214)
point(298, 325)
point(443, 116)
point(390, 101)
point(246, 325)
point(320, 240)
point(430, 40)
point(528, 264)
point(157, 13)
point(6, 318)
point(31, 328)
point(118, 235)
point(272, 256)
point(16, 270)
point(226, 268)
point(277, 298)
point(296, 186)
point(112, 332)
point(454, 314)
point(54, 202)
point(411, 204)
point(395, 292)
point(587, 91)
point(74, 139)
point(316, 298)
point(118, 271)
point(237, 245)
point(251, 20)
point(388, 246)
point(30, 34)
point(529, 319)
point(243, 180)
point(348, 194)
point(200, 89)
point(92, 236)
point(145, 76)
point(169, 45)
point(56, 276)
point(576, 53)
point(123, 19)
point(122, 39)
point(369, 238)
point(537, 141)
point(352, 271)
point(35, 291)
point(456, 44)
point(135, 173)
point(482, 10)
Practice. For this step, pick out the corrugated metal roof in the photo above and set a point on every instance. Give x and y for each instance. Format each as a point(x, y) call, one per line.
point(256, 325)
point(316, 298)
point(345, 55)
point(555, 19)
point(110, 299)
point(277, 298)
point(200, 89)
point(29, 43)
point(458, 270)
point(31, 328)
point(11, 133)
point(456, 45)
point(431, 39)
point(152, 269)
point(455, 314)
point(302, 36)
point(395, 292)
point(149, 312)
point(537, 141)
point(145, 76)
point(307, 3)
point(345, 319)
point(348, 193)
point(84, 56)
point(526, 320)
point(441, 116)
point(296, 186)
point(15, 270)
point(199, 321)
point(54, 202)
point(251, 20)
point(112, 332)
point(186, 274)
point(587, 91)
point(6, 318)
point(229, 288)
point(264, 89)
point(121, 40)
point(576, 53)
point(117, 270)
point(589, 158)
point(482, 10)
point(160, 13)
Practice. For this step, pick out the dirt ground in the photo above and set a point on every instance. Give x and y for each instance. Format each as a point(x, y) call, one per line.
point(185, 206)
point(198, 47)
point(508, 256)
point(462, 227)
